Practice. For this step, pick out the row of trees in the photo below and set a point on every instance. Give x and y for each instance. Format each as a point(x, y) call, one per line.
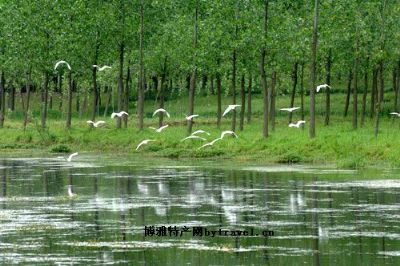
point(199, 41)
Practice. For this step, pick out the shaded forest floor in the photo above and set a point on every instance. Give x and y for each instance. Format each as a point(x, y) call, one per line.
point(338, 143)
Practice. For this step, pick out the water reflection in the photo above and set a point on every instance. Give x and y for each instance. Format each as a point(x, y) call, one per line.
point(315, 219)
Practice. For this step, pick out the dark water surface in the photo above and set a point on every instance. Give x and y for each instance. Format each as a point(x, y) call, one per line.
point(317, 216)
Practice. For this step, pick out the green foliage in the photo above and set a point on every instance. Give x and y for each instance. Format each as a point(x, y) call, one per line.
point(60, 148)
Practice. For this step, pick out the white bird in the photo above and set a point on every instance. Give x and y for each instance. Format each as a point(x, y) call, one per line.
point(323, 86)
point(144, 142)
point(297, 124)
point(200, 132)
point(230, 108)
point(161, 110)
point(70, 193)
point(228, 132)
point(69, 159)
point(62, 62)
point(190, 117)
point(210, 143)
point(95, 124)
point(193, 137)
point(395, 113)
point(158, 130)
point(120, 114)
point(101, 68)
point(289, 109)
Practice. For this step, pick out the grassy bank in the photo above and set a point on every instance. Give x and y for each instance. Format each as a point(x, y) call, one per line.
point(337, 144)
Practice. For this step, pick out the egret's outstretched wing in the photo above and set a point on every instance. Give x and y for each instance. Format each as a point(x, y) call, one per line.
point(62, 62)
point(72, 156)
point(190, 117)
point(193, 137)
point(161, 128)
point(228, 132)
point(161, 110)
point(143, 143)
point(200, 132)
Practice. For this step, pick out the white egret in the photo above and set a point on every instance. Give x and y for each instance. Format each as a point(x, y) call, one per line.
point(70, 193)
point(297, 124)
point(230, 108)
point(190, 117)
point(200, 132)
point(323, 86)
point(158, 130)
point(193, 137)
point(144, 142)
point(395, 113)
point(210, 143)
point(120, 114)
point(62, 62)
point(101, 68)
point(228, 132)
point(161, 110)
point(69, 159)
point(289, 109)
point(95, 124)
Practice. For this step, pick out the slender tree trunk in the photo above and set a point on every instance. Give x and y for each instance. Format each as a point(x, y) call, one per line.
point(294, 78)
point(95, 91)
point(313, 70)
point(204, 80)
point(28, 92)
point(2, 99)
point(44, 100)
point(194, 74)
point(378, 104)
point(219, 88)
point(328, 90)
point(346, 106)
point(69, 106)
point(78, 99)
point(355, 88)
point(394, 82)
point(364, 99)
point(140, 105)
point(84, 106)
point(162, 91)
point(127, 94)
point(396, 109)
point(12, 98)
point(273, 100)
point(302, 91)
point(262, 71)
point(243, 102)
point(109, 98)
point(121, 82)
point(233, 126)
point(249, 98)
point(212, 90)
point(374, 91)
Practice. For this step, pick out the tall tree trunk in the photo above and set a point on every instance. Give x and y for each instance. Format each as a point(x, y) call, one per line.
point(355, 88)
point(396, 109)
point(120, 82)
point(313, 70)
point(294, 78)
point(12, 98)
point(212, 90)
point(374, 92)
point(44, 100)
point(249, 87)
point(233, 126)
point(69, 101)
point(243, 102)
point(302, 91)
point(378, 104)
point(204, 80)
point(219, 88)
point(364, 99)
point(328, 90)
point(394, 82)
point(95, 91)
point(2, 99)
point(346, 105)
point(28, 93)
point(262, 71)
point(273, 100)
point(140, 104)
point(127, 94)
point(162, 91)
point(192, 87)
point(109, 98)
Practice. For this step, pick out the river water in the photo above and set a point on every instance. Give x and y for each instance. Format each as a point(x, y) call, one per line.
point(145, 211)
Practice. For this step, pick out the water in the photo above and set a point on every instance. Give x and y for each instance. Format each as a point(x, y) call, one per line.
point(310, 216)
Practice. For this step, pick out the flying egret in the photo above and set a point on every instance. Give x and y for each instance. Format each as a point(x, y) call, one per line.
point(228, 132)
point(190, 117)
point(210, 143)
point(69, 159)
point(200, 132)
point(158, 130)
point(395, 113)
point(289, 109)
point(120, 114)
point(323, 86)
point(95, 124)
point(193, 137)
point(230, 108)
point(297, 124)
point(144, 142)
point(161, 110)
point(101, 68)
point(62, 62)
point(70, 193)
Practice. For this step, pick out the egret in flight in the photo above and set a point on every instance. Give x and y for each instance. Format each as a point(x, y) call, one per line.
point(70, 193)
point(144, 142)
point(323, 86)
point(230, 108)
point(300, 122)
point(190, 117)
point(101, 68)
point(161, 110)
point(289, 109)
point(210, 143)
point(158, 130)
point(95, 124)
point(200, 132)
point(228, 132)
point(62, 62)
point(120, 114)
point(193, 137)
point(395, 113)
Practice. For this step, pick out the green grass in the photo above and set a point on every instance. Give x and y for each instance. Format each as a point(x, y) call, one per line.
point(337, 143)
